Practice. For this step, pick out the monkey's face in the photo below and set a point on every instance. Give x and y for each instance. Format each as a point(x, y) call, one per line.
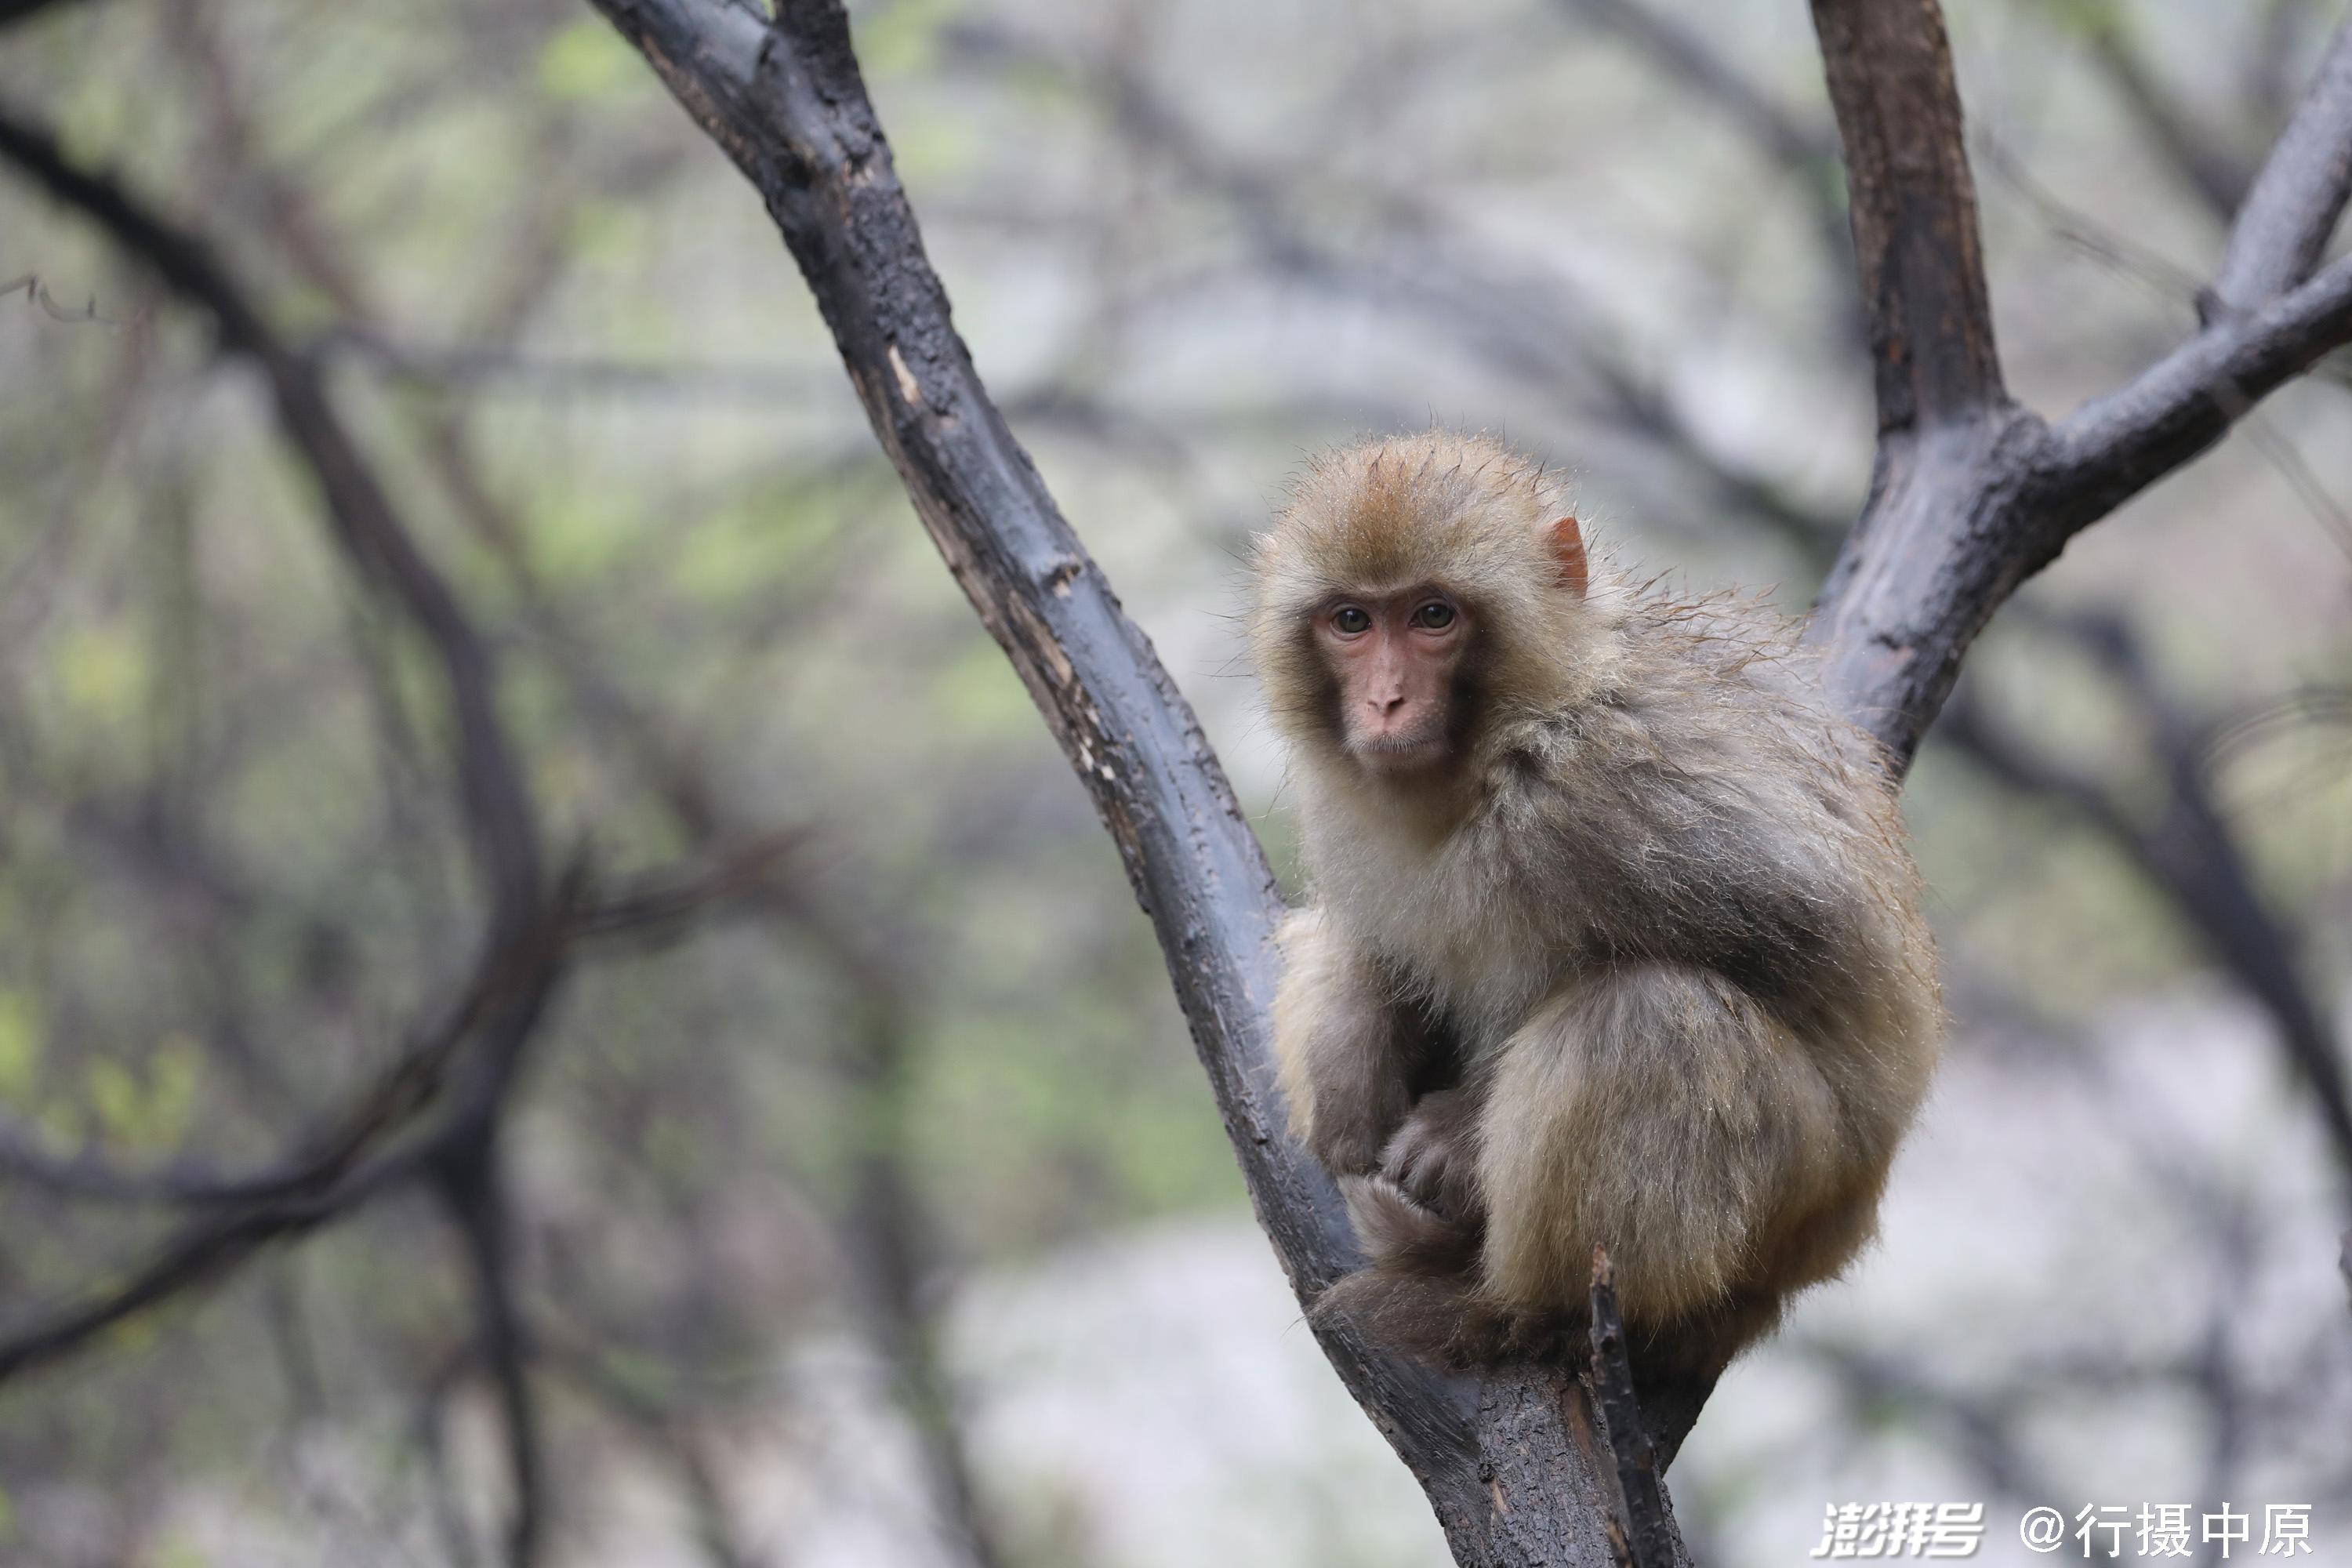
point(1394, 660)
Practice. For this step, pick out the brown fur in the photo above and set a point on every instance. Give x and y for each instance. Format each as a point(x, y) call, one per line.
point(1639, 964)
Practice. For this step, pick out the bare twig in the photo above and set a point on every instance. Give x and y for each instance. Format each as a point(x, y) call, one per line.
point(327, 1180)
point(1805, 151)
point(477, 367)
point(2281, 228)
point(523, 951)
point(380, 547)
point(1532, 329)
point(37, 293)
point(2188, 850)
point(472, 1188)
point(1642, 1534)
point(674, 1437)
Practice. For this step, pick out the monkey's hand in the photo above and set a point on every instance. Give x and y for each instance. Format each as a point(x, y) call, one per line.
point(1434, 1155)
point(1347, 1046)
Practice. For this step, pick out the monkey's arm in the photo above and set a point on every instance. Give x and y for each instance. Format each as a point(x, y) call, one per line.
point(1347, 1044)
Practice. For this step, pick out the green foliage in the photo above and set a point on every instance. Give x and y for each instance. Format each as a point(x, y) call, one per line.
point(20, 1047)
point(587, 62)
point(101, 672)
point(901, 38)
point(146, 1109)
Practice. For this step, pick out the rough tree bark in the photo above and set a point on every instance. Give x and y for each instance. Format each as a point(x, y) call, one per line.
point(1971, 495)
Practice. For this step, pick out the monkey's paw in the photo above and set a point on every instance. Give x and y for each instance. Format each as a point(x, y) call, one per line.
point(1434, 1155)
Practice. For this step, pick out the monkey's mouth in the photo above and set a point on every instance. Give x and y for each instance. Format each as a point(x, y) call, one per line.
point(1400, 750)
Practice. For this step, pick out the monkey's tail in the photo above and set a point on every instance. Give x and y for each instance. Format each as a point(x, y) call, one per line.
point(1422, 1292)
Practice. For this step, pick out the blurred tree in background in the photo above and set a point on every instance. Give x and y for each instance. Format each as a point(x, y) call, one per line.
point(556, 1001)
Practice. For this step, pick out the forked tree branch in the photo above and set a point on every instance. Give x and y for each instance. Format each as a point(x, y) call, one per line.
point(1971, 495)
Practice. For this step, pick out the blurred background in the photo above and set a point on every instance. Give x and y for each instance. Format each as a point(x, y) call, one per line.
point(856, 1199)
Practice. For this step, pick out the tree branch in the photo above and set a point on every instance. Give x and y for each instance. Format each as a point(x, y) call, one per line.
point(1914, 210)
point(1965, 507)
point(2187, 850)
point(2113, 447)
point(1647, 1539)
point(381, 549)
point(470, 1181)
point(327, 1178)
point(530, 928)
point(2281, 228)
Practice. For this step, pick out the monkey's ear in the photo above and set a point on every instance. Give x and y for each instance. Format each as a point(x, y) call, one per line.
point(1568, 553)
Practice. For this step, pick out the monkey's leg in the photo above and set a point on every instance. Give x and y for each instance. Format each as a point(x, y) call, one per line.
point(1662, 1111)
point(1347, 1044)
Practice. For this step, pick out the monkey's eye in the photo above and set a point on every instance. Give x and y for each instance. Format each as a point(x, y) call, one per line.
point(1351, 622)
point(1436, 615)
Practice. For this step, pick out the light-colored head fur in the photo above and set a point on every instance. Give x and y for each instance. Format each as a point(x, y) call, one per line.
point(1440, 510)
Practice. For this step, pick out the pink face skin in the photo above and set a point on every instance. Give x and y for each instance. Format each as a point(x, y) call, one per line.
point(1394, 657)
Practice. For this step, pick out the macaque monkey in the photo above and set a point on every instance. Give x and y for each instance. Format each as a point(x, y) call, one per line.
point(1614, 935)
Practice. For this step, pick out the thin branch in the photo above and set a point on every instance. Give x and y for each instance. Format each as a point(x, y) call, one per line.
point(885, 1234)
point(658, 908)
point(2188, 850)
point(1643, 1535)
point(2113, 447)
point(883, 1231)
point(433, 1448)
point(673, 1436)
point(472, 1188)
point(469, 368)
point(524, 948)
point(328, 1185)
point(381, 548)
point(1534, 329)
point(2282, 229)
point(1805, 151)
